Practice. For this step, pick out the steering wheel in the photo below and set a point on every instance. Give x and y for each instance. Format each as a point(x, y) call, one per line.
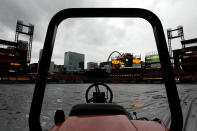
point(99, 93)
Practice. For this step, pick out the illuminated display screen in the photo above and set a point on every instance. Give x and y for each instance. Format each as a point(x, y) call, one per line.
point(152, 59)
point(136, 61)
point(123, 63)
point(15, 64)
point(116, 62)
point(126, 60)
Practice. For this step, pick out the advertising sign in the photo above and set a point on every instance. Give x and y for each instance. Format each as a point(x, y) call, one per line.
point(155, 65)
point(137, 66)
point(152, 59)
point(122, 63)
point(136, 61)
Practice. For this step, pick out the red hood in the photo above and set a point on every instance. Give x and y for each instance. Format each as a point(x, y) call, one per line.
point(107, 123)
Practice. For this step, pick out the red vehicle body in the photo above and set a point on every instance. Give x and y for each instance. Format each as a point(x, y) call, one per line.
point(106, 123)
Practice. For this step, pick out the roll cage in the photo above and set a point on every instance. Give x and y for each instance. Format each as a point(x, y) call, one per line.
point(167, 70)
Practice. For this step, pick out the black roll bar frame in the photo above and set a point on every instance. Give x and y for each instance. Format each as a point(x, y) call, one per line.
point(167, 70)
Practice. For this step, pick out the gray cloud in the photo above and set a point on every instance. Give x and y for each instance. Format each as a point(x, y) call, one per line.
point(96, 38)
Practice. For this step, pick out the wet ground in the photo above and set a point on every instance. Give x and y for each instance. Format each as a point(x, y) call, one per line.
point(148, 100)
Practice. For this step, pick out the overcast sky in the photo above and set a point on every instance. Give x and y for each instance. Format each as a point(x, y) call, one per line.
point(98, 37)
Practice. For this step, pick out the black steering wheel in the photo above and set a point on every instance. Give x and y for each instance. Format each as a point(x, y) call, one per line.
point(99, 93)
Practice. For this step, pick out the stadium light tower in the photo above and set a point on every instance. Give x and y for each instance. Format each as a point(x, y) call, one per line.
point(20, 30)
point(170, 36)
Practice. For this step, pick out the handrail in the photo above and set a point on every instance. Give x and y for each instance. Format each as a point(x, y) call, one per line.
point(168, 75)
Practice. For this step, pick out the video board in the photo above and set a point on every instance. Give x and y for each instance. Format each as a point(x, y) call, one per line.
point(122, 63)
point(152, 59)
